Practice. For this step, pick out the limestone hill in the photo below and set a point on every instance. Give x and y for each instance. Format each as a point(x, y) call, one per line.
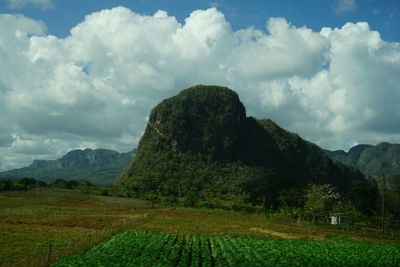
point(202, 140)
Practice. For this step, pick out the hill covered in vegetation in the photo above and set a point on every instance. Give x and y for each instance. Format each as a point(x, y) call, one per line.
point(201, 142)
point(99, 166)
point(373, 161)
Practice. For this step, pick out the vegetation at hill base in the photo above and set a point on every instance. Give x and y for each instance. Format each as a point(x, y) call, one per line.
point(29, 183)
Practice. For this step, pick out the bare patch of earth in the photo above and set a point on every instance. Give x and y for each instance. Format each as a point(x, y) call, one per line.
point(274, 233)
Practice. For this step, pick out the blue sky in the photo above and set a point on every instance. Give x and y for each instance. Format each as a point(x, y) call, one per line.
point(85, 74)
point(382, 15)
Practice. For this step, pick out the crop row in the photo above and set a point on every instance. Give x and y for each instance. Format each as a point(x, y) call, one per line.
point(136, 248)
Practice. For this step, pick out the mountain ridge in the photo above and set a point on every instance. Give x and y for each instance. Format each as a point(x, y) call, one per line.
point(373, 161)
point(99, 166)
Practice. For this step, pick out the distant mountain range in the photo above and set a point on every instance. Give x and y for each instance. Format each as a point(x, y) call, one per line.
point(103, 166)
point(373, 161)
point(99, 166)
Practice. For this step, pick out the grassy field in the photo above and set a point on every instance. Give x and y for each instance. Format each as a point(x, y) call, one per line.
point(237, 224)
point(41, 226)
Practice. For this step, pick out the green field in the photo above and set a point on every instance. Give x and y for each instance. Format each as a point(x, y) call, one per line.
point(138, 248)
point(40, 227)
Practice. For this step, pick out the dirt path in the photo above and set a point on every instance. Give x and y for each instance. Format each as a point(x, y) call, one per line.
point(274, 233)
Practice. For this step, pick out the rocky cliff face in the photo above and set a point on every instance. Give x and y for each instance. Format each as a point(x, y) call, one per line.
point(90, 158)
point(203, 121)
point(202, 138)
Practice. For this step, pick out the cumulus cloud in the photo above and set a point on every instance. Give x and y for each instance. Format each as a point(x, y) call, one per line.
point(285, 51)
point(344, 6)
point(96, 87)
point(17, 4)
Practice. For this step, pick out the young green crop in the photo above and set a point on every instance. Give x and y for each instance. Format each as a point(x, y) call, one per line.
point(136, 248)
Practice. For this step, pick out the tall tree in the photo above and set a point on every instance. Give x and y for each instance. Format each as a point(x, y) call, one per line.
point(320, 200)
point(363, 196)
point(27, 183)
point(6, 185)
point(261, 186)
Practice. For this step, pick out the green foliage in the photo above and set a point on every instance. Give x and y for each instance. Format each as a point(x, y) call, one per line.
point(66, 184)
point(158, 249)
point(340, 238)
point(291, 198)
point(320, 200)
point(355, 216)
point(6, 185)
point(294, 213)
point(285, 215)
point(146, 182)
point(104, 192)
point(169, 201)
point(392, 197)
point(191, 198)
point(363, 196)
point(25, 184)
point(153, 198)
point(200, 120)
point(393, 183)
point(261, 185)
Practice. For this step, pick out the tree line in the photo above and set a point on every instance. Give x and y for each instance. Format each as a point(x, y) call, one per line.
point(29, 183)
point(257, 191)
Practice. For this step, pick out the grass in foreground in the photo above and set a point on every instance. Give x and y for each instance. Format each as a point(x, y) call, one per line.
point(138, 248)
point(236, 224)
point(40, 226)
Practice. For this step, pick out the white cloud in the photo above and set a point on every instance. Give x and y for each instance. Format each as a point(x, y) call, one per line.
point(344, 6)
point(284, 52)
point(96, 87)
point(17, 4)
point(363, 68)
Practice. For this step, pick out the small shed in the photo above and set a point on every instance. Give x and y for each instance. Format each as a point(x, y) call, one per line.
point(338, 219)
